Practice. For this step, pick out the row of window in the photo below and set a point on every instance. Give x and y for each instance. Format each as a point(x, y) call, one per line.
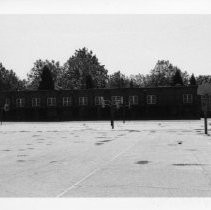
point(99, 100)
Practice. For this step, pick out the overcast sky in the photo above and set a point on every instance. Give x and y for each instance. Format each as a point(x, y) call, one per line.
point(129, 43)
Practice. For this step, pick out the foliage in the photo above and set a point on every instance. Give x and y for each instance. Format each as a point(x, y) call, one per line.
point(89, 82)
point(46, 82)
point(177, 78)
point(203, 78)
point(9, 80)
point(161, 75)
point(165, 74)
point(118, 80)
point(131, 83)
point(83, 70)
point(81, 65)
point(34, 77)
point(192, 80)
point(140, 80)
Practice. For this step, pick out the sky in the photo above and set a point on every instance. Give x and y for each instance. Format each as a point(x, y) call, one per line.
point(129, 43)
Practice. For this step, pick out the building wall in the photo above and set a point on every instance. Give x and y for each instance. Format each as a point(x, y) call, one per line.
point(169, 104)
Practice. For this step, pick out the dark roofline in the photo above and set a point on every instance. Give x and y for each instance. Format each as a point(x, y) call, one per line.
point(141, 88)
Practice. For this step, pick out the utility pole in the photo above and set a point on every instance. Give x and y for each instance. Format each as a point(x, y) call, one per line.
point(112, 109)
point(124, 113)
point(204, 90)
point(112, 116)
point(109, 103)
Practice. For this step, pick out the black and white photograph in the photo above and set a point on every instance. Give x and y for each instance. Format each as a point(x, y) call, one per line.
point(99, 105)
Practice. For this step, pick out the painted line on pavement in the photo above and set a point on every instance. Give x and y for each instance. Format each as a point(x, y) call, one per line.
point(93, 172)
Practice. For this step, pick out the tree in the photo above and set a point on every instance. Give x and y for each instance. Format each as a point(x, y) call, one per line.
point(163, 73)
point(131, 84)
point(9, 80)
point(79, 66)
point(34, 77)
point(160, 75)
point(46, 82)
point(192, 80)
point(118, 80)
point(203, 78)
point(177, 78)
point(141, 80)
point(89, 82)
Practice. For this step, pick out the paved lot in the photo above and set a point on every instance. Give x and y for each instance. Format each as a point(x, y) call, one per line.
point(88, 159)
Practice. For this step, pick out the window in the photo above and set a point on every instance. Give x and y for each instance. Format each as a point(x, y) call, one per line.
point(51, 101)
point(98, 100)
point(151, 99)
point(115, 99)
point(133, 100)
point(20, 102)
point(35, 102)
point(83, 101)
point(187, 98)
point(67, 101)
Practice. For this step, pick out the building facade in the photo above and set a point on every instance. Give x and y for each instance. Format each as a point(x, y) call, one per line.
point(180, 102)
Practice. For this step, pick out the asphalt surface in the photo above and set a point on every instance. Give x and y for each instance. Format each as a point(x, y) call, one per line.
point(89, 159)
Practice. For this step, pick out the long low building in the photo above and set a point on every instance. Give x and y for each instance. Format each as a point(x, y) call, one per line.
point(180, 102)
